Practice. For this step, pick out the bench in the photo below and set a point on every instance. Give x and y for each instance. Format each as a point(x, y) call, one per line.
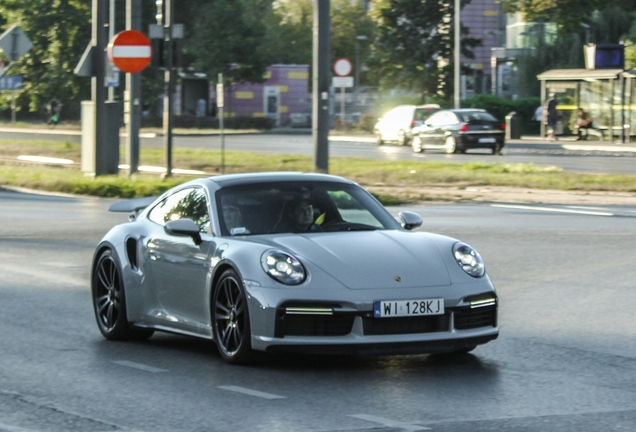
point(604, 130)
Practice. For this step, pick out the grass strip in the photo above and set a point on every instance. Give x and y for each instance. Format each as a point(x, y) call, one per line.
point(400, 176)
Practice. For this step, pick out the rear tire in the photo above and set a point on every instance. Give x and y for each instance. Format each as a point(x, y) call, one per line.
point(496, 150)
point(109, 301)
point(417, 144)
point(231, 320)
point(378, 138)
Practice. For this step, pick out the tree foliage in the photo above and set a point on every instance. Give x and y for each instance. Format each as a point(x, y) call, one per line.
point(59, 30)
point(413, 49)
point(230, 39)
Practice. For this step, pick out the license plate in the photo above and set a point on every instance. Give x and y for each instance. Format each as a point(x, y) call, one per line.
point(487, 140)
point(402, 308)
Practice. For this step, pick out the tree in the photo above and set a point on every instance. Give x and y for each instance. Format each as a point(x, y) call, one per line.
point(60, 31)
point(230, 40)
point(414, 45)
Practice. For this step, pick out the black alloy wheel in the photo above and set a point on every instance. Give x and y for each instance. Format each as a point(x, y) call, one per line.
point(231, 319)
point(109, 301)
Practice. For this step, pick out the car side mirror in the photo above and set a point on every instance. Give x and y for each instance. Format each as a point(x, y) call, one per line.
point(184, 228)
point(410, 220)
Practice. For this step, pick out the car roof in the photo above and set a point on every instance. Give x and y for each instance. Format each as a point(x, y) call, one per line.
point(226, 180)
point(466, 110)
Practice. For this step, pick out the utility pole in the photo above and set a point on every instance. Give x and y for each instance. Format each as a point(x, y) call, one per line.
point(133, 94)
point(321, 63)
point(456, 98)
point(168, 85)
point(111, 34)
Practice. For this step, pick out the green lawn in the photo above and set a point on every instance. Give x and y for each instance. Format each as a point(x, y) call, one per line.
point(400, 175)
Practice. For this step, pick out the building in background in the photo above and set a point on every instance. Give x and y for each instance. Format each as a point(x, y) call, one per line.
point(285, 92)
point(486, 21)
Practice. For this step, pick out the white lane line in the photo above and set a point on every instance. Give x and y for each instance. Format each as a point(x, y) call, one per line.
point(251, 392)
point(9, 428)
point(389, 422)
point(139, 366)
point(550, 209)
point(599, 148)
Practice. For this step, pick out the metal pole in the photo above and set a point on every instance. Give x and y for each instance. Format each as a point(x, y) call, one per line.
point(342, 107)
point(133, 87)
point(221, 106)
point(99, 93)
point(168, 87)
point(13, 106)
point(111, 34)
point(356, 84)
point(456, 98)
point(320, 66)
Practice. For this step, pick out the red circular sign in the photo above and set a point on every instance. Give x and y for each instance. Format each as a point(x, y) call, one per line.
point(130, 51)
point(342, 67)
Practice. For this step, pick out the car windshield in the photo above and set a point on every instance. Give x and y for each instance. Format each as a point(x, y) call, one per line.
point(299, 207)
point(476, 116)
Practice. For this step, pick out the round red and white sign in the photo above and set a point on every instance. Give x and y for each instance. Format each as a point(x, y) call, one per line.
point(130, 51)
point(342, 67)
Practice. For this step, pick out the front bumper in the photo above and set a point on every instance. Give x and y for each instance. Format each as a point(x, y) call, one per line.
point(360, 333)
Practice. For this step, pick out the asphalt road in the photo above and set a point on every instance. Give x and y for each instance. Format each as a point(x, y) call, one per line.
point(587, 156)
point(565, 360)
point(592, 157)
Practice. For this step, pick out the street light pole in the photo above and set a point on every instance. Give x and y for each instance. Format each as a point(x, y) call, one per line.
point(168, 85)
point(357, 71)
point(456, 77)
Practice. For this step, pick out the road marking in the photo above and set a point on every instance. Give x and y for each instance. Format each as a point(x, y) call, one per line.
point(139, 366)
point(9, 428)
point(550, 209)
point(598, 148)
point(251, 392)
point(389, 422)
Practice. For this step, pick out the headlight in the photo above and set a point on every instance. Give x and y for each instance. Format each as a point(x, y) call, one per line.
point(283, 267)
point(469, 260)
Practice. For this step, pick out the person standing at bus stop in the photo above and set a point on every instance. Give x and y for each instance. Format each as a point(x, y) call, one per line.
point(552, 116)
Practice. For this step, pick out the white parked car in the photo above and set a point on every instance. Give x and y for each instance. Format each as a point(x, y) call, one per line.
point(397, 124)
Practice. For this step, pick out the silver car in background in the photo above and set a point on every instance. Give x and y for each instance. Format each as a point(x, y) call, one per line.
point(218, 259)
point(397, 124)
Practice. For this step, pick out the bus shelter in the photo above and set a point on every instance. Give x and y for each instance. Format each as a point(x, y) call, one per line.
point(608, 95)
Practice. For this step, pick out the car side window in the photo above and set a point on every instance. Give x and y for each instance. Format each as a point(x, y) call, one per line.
point(186, 203)
point(435, 119)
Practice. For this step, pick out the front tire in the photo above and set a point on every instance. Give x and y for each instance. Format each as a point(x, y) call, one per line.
point(230, 319)
point(450, 145)
point(402, 138)
point(109, 301)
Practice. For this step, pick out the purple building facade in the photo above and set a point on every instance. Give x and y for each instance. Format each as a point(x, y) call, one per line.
point(486, 21)
point(285, 92)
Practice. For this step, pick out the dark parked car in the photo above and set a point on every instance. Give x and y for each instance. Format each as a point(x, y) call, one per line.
point(458, 130)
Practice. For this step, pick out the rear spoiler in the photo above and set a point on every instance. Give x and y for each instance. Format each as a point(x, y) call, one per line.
point(134, 205)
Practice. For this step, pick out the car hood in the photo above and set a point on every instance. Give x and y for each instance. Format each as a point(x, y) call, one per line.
point(371, 259)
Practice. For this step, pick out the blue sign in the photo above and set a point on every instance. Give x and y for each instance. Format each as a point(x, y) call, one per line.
point(11, 83)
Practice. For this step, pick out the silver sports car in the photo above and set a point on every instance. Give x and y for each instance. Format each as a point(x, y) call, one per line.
point(288, 262)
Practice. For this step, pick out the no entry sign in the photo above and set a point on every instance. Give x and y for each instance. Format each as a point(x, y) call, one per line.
point(130, 51)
